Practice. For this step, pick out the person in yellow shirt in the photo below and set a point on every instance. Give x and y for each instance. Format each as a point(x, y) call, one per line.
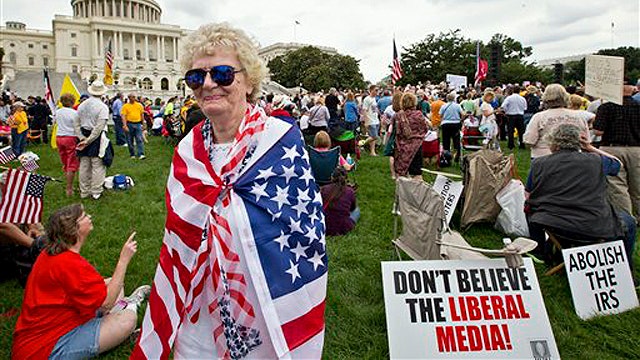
point(132, 116)
point(19, 125)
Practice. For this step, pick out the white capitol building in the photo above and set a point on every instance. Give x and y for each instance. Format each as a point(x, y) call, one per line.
point(145, 51)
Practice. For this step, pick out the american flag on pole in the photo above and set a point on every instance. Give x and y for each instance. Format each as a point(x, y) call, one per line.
point(48, 93)
point(396, 69)
point(258, 232)
point(481, 67)
point(6, 155)
point(108, 64)
point(22, 197)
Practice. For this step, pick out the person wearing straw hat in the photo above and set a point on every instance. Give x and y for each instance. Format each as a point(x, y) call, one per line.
point(91, 122)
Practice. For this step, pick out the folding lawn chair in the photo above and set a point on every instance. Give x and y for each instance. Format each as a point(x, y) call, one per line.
point(323, 163)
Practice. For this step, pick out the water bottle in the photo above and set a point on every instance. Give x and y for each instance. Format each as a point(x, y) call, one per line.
point(349, 159)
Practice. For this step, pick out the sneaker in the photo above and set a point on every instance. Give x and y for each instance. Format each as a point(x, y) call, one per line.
point(133, 157)
point(96, 196)
point(138, 295)
point(142, 157)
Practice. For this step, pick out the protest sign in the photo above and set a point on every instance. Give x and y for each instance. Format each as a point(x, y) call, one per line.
point(456, 81)
point(600, 279)
point(604, 76)
point(450, 192)
point(465, 309)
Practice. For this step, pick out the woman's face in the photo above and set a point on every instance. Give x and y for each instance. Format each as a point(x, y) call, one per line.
point(85, 225)
point(222, 102)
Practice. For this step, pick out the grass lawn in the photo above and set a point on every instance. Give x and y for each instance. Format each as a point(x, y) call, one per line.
point(356, 327)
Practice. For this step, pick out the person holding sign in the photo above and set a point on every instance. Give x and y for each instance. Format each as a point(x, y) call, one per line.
point(567, 193)
point(619, 126)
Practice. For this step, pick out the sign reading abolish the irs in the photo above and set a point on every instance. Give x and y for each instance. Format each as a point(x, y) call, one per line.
point(470, 309)
point(600, 279)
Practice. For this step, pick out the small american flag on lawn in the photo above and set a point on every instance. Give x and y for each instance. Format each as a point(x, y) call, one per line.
point(6, 155)
point(30, 165)
point(22, 197)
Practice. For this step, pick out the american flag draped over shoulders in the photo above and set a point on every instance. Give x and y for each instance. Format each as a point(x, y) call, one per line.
point(243, 265)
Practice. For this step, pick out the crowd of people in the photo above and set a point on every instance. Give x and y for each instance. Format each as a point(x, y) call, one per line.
point(584, 183)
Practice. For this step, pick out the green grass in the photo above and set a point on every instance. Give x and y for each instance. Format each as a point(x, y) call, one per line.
point(356, 326)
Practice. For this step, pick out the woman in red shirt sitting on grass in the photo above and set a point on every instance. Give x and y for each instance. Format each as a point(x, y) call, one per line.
point(69, 311)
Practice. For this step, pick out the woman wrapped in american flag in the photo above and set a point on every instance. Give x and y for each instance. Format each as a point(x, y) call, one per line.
point(243, 268)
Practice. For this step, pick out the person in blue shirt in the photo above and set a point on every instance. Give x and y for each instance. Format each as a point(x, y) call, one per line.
point(116, 107)
point(451, 115)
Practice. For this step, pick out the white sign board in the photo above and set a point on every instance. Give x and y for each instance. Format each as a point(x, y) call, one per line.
point(604, 76)
point(465, 309)
point(456, 81)
point(450, 192)
point(600, 279)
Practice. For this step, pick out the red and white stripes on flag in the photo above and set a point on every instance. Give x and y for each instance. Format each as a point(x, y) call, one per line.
point(221, 255)
point(6, 155)
point(22, 197)
point(481, 67)
point(396, 69)
point(48, 93)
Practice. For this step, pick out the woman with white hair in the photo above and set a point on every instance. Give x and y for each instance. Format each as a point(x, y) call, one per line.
point(243, 253)
point(567, 193)
point(556, 100)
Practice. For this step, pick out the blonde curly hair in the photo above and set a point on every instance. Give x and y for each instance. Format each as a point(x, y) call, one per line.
point(204, 41)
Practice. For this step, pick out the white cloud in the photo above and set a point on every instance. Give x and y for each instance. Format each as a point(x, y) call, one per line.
point(364, 29)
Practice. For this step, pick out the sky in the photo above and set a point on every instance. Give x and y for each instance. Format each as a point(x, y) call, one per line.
point(365, 29)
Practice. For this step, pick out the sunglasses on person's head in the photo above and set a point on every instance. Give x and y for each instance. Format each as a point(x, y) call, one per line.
point(222, 75)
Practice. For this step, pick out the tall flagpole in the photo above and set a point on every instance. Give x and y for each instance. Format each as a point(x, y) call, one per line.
point(612, 34)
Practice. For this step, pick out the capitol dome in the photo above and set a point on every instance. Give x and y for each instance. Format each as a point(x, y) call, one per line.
point(146, 11)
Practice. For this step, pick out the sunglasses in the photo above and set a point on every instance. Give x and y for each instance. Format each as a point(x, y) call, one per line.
point(222, 75)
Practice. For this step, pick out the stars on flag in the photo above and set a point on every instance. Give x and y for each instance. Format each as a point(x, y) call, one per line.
point(293, 271)
point(316, 260)
point(290, 153)
point(259, 191)
point(294, 203)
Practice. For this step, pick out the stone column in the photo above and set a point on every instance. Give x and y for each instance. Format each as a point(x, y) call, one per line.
point(133, 42)
point(95, 43)
point(121, 43)
point(101, 49)
point(175, 49)
point(146, 47)
point(121, 8)
point(161, 53)
point(130, 10)
point(157, 47)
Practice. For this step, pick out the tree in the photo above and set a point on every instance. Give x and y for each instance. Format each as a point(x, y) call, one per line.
point(451, 53)
point(511, 49)
point(436, 56)
point(316, 70)
point(1, 58)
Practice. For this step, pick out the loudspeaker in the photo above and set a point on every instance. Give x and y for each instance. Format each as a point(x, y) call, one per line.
point(494, 62)
point(558, 72)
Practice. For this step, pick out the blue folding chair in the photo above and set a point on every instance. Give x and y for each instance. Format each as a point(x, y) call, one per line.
point(323, 163)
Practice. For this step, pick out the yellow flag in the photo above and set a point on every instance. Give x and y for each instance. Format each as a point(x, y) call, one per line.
point(108, 65)
point(69, 87)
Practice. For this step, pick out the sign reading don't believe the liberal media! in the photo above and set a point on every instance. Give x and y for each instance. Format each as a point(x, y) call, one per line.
point(600, 279)
point(465, 309)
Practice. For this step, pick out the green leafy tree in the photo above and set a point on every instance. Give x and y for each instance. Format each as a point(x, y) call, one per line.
point(316, 70)
point(438, 55)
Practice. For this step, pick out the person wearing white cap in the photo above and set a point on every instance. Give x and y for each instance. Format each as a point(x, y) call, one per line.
point(90, 123)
